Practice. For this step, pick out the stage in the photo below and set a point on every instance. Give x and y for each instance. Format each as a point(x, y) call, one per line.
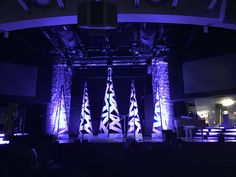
point(199, 136)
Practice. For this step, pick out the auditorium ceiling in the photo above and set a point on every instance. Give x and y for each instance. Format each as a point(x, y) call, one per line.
point(181, 30)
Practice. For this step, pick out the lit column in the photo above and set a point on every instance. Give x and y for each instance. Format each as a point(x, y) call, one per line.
point(110, 125)
point(59, 107)
point(163, 113)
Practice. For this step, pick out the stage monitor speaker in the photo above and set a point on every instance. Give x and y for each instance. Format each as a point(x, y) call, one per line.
point(97, 15)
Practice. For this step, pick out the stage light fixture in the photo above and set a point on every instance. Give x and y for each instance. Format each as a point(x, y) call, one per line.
point(97, 15)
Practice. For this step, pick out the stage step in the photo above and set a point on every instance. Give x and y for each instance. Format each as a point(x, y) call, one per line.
point(215, 134)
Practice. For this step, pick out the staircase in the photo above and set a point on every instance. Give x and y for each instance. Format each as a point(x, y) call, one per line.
point(215, 135)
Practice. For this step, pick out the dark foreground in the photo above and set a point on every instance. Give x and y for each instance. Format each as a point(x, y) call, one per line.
point(43, 157)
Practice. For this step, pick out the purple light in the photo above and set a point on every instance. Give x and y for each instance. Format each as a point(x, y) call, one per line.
point(230, 133)
point(59, 108)
point(161, 91)
point(85, 117)
point(20, 134)
point(134, 120)
point(110, 120)
point(215, 130)
point(148, 18)
point(58, 119)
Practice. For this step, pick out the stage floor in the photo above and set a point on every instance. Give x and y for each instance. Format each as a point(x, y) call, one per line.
point(102, 139)
point(65, 138)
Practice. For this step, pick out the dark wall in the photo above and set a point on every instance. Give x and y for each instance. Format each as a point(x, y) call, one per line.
point(176, 79)
point(44, 82)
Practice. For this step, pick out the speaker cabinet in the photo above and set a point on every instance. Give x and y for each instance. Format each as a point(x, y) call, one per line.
point(230, 12)
point(97, 15)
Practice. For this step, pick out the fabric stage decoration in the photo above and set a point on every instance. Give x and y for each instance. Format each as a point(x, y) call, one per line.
point(59, 107)
point(110, 120)
point(163, 110)
point(60, 121)
point(156, 129)
point(85, 116)
point(134, 126)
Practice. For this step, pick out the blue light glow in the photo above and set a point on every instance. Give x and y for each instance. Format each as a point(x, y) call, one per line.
point(134, 126)
point(59, 120)
point(85, 117)
point(110, 120)
point(163, 116)
point(59, 107)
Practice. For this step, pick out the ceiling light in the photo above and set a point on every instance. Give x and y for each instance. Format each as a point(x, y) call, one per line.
point(227, 102)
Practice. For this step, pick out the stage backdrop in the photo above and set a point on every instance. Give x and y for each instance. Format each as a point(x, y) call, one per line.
point(96, 87)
